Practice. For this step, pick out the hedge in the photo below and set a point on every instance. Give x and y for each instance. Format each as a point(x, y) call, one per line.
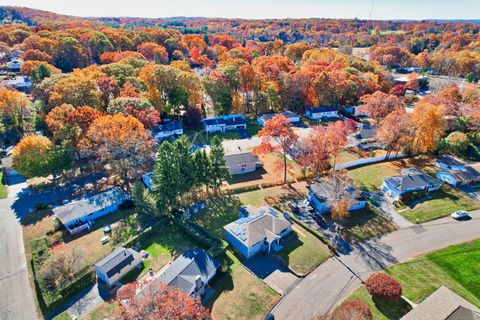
point(50, 302)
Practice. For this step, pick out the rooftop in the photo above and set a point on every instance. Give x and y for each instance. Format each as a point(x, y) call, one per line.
point(412, 180)
point(228, 120)
point(288, 114)
point(450, 160)
point(324, 191)
point(321, 109)
point(168, 126)
point(118, 263)
point(239, 158)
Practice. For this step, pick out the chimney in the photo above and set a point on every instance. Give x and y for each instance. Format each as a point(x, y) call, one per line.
point(198, 283)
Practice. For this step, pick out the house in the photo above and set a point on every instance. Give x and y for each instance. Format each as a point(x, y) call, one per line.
point(444, 304)
point(365, 138)
point(241, 162)
point(321, 112)
point(117, 264)
point(410, 180)
point(19, 83)
point(297, 149)
point(457, 172)
point(292, 117)
point(14, 64)
point(147, 179)
point(320, 193)
point(191, 272)
point(78, 215)
point(225, 123)
point(167, 130)
point(257, 229)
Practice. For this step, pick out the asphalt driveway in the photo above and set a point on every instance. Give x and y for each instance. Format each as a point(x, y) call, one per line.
point(275, 276)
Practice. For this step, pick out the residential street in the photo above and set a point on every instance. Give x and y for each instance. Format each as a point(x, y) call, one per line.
point(16, 297)
point(332, 281)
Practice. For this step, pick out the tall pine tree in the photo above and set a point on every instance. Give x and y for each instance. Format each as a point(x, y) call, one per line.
point(218, 172)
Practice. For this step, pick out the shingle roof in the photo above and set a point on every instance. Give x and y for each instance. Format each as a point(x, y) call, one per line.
point(444, 304)
point(84, 206)
point(169, 126)
point(321, 109)
point(324, 191)
point(118, 263)
point(184, 270)
point(367, 132)
point(239, 158)
point(288, 114)
point(411, 181)
point(258, 224)
point(449, 160)
point(229, 120)
point(470, 173)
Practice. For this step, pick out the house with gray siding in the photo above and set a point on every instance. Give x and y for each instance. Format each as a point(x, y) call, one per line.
point(117, 264)
point(241, 162)
point(321, 112)
point(257, 229)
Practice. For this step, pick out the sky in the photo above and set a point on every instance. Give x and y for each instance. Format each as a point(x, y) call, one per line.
point(258, 9)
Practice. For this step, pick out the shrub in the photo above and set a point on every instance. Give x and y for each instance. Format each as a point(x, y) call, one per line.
point(381, 285)
point(352, 310)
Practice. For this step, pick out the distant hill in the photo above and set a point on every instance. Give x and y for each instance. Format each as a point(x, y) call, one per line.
point(31, 16)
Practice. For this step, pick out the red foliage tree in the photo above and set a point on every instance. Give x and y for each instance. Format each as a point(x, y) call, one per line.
point(160, 302)
point(381, 285)
point(378, 105)
point(148, 117)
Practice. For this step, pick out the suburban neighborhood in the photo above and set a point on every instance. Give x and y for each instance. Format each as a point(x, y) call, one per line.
point(250, 169)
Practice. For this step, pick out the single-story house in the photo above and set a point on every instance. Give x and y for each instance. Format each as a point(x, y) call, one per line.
point(241, 162)
point(321, 112)
point(292, 117)
point(19, 83)
point(258, 229)
point(147, 179)
point(448, 162)
point(191, 272)
point(225, 123)
point(365, 138)
point(319, 193)
point(456, 172)
point(117, 264)
point(444, 304)
point(14, 64)
point(409, 181)
point(167, 130)
point(297, 149)
point(78, 215)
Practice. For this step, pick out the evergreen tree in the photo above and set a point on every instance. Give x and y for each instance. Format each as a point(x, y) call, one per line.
point(166, 175)
point(206, 39)
point(218, 172)
point(202, 165)
point(183, 161)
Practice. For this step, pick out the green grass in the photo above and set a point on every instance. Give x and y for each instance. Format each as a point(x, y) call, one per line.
point(253, 127)
point(371, 177)
point(239, 294)
point(3, 186)
point(442, 203)
point(456, 267)
point(303, 252)
point(365, 224)
point(101, 312)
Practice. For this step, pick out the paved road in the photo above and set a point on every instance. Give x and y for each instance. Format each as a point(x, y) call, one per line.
point(332, 281)
point(16, 298)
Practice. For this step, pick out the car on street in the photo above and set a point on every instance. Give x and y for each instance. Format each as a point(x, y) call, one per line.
point(460, 214)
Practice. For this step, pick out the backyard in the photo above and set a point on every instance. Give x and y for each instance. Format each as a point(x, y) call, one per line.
point(239, 295)
point(371, 177)
point(437, 204)
point(455, 267)
point(303, 252)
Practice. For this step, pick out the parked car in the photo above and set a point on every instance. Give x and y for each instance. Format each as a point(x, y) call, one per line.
point(269, 317)
point(460, 214)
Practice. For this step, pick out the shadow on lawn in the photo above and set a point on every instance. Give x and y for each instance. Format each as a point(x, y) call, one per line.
point(246, 177)
point(392, 309)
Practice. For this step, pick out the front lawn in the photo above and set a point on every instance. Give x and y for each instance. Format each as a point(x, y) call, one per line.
point(3, 186)
point(456, 267)
point(101, 312)
point(365, 224)
point(370, 177)
point(239, 295)
point(438, 204)
point(303, 252)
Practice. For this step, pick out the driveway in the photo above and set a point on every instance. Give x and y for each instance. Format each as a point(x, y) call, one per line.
point(335, 279)
point(388, 209)
point(16, 297)
point(471, 192)
point(275, 276)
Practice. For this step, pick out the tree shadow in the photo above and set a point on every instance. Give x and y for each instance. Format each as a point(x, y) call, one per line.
point(392, 309)
point(375, 254)
point(246, 177)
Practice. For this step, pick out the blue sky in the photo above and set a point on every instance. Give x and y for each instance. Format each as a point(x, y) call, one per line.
point(363, 9)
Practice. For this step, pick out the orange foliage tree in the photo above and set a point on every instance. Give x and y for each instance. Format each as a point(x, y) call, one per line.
point(429, 125)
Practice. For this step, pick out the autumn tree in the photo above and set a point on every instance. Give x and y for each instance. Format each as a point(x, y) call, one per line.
point(295, 51)
point(378, 105)
point(15, 107)
point(158, 301)
point(342, 194)
point(120, 142)
point(396, 131)
point(75, 90)
point(277, 133)
point(60, 269)
point(108, 90)
point(56, 121)
point(429, 125)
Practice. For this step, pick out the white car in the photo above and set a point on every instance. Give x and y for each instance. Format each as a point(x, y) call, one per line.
point(459, 214)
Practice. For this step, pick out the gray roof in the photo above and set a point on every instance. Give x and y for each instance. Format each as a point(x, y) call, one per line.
point(470, 173)
point(84, 206)
point(321, 109)
point(183, 272)
point(367, 132)
point(118, 263)
point(258, 224)
point(412, 181)
point(288, 114)
point(450, 160)
point(324, 191)
point(239, 158)
point(444, 304)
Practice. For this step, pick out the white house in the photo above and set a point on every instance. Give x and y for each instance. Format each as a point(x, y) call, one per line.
point(320, 193)
point(167, 130)
point(410, 180)
point(225, 123)
point(292, 117)
point(78, 215)
point(258, 229)
point(191, 272)
point(117, 264)
point(321, 112)
point(241, 162)
point(19, 83)
point(15, 64)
